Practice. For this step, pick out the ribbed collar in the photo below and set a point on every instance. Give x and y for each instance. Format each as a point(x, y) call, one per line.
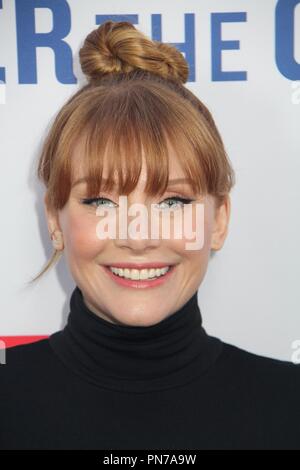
point(135, 359)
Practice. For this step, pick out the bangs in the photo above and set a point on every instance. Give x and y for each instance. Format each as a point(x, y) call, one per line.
point(123, 142)
point(125, 133)
point(132, 125)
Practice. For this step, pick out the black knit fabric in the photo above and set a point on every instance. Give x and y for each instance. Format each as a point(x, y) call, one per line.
point(99, 385)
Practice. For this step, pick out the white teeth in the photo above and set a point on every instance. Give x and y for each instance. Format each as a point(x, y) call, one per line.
point(140, 274)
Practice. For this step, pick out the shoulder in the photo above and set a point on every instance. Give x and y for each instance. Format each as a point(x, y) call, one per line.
point(259, 372)
point(18, 352)
point(262, 386)
point(24, 359)
point(244, 357)
point(264, 393)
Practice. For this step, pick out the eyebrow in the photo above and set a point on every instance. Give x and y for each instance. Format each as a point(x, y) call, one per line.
point(171, 182)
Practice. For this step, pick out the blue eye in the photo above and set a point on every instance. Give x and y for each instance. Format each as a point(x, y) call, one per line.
point(91, 201)
point(180, 199)
point(99, 200)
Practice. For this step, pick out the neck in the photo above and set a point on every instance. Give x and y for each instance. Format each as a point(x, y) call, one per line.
point(135, 358)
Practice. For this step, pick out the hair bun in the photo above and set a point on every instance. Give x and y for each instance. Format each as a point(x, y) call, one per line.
point(120, 47)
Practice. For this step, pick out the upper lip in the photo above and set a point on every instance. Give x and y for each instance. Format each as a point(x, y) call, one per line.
point(139, 265)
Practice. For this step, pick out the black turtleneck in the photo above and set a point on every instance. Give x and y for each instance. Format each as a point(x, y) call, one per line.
point(100, 385)
point(136, 359)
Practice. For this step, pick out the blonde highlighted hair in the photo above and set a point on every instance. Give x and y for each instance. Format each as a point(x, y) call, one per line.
point(134, 99)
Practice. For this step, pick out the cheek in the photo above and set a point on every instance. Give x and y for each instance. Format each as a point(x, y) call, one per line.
point(80, 236)
point(196, 234)
point(196, 230)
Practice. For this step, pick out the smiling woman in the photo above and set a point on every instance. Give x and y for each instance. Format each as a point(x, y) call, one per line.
point(134, 130)
point(134, 368)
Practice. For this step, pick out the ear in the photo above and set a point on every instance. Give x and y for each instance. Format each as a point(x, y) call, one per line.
point(221, 223)
point(51, 216)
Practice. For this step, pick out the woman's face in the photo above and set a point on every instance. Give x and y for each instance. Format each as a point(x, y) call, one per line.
point(88, 255)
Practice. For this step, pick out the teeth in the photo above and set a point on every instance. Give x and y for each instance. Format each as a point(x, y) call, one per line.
point(140, 274)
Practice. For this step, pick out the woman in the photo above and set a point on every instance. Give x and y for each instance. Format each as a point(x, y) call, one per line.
point(134, 368)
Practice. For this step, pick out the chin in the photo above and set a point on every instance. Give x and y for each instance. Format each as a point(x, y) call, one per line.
point(139, 319)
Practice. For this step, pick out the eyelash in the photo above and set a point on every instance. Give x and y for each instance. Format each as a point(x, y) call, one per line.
point(92, 200)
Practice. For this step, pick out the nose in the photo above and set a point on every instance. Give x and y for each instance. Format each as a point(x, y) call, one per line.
point(137, 235)
point(137, 245)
